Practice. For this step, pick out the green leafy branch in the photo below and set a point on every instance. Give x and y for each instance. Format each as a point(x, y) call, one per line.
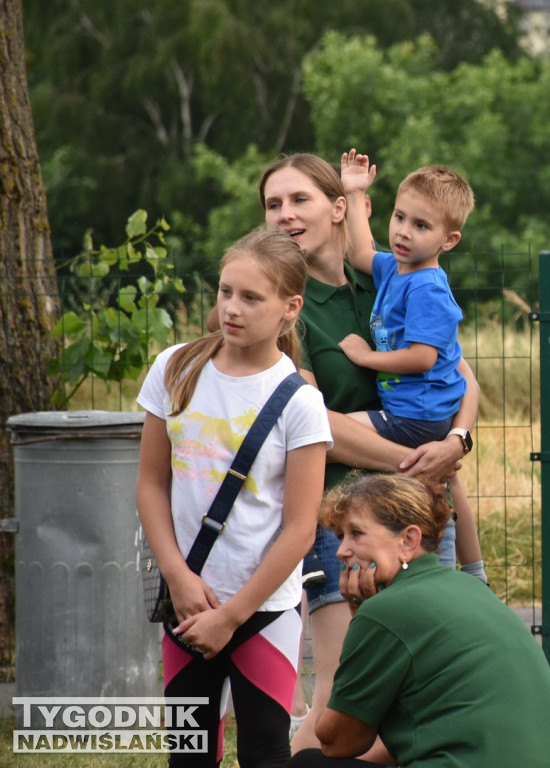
point(118, 315)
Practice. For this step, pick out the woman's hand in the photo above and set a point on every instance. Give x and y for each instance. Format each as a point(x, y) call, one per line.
point(358, 584)
point(439, 460)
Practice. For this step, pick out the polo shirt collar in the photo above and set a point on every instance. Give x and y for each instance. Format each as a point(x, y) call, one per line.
point(420, 565)
point(322, 292)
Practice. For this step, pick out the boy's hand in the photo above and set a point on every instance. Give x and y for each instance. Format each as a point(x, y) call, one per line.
point(356, 349)
point(357, 174)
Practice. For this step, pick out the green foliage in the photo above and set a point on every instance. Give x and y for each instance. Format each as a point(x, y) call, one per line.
point(178, 107)
point(465, 31)
point(489, 121)
point(122, 92)
point(118, 317)
point(237, 184)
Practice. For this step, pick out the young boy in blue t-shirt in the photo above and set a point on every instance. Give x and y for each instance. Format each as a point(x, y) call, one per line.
point(414, 322)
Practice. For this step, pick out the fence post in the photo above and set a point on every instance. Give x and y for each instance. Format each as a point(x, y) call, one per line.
point(544, 456)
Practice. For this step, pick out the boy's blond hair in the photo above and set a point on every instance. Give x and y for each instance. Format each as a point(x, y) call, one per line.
point(445, 189)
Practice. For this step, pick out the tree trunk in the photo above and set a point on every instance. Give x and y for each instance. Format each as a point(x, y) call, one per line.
point(29, 302)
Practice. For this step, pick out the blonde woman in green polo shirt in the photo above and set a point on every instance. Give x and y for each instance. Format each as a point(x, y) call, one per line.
point(303, 195)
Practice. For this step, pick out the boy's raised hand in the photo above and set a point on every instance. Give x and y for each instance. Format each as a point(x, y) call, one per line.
point(357, 174)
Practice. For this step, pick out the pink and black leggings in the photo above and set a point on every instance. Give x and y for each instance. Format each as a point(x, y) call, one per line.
point(259, 666)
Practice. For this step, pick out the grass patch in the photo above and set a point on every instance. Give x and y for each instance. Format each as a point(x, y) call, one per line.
point(9, 759)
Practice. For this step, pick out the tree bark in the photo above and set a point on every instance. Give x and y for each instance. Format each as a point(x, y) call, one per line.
point(29, 301)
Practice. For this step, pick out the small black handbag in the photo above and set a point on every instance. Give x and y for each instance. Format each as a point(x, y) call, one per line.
point(158, 604)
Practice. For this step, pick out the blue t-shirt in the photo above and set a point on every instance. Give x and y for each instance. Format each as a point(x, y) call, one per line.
point(417, 307)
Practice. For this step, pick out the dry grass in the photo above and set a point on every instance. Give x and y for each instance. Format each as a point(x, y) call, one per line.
point(501, 481)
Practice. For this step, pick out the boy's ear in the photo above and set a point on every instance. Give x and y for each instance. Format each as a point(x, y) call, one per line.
point(452, 239)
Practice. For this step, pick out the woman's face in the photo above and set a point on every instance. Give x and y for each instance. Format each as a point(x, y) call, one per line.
point(365, 541)
point(296, 205)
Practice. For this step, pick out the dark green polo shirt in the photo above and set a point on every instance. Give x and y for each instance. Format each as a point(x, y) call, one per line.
point(330, 313)
point(449, 673)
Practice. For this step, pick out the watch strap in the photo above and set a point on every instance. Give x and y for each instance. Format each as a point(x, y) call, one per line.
point(465, 436)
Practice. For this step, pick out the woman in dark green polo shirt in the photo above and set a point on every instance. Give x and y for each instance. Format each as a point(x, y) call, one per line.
point(303, 195)
point(433, 663)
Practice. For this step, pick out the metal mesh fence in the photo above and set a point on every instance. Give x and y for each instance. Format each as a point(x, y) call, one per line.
point(503, 485)
point(499, 342)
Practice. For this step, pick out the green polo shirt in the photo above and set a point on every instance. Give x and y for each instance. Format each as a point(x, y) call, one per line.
point(448, 672)
point(329, 314)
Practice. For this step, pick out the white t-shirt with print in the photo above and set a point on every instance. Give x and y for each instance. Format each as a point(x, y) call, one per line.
point(205, 439)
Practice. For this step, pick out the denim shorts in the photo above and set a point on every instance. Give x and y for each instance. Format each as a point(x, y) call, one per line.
point(409, 432)
point(325, 547)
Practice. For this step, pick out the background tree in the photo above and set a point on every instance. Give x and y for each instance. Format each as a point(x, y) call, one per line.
point(465, 31)
point(28, 291)
point(123, 92)
point(489, 121)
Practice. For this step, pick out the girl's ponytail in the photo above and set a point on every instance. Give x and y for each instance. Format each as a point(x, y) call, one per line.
point(289, 343)
point(185, 366)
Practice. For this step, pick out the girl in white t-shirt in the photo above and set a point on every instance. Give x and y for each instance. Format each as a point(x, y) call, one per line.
point(240, 614)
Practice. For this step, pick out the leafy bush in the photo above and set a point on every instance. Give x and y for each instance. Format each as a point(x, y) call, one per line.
point(117, 316)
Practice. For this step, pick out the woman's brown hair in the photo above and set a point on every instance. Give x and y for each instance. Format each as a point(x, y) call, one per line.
point(395, 502)
point(321, 173)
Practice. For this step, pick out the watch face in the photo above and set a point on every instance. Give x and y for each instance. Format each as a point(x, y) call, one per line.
point(468, 440)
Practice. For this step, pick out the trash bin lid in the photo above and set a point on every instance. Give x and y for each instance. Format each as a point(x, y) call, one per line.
point(69, 422)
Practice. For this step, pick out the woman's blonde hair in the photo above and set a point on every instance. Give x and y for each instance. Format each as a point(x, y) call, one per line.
point(321, 173)
point(282, 261)
point(395, 502)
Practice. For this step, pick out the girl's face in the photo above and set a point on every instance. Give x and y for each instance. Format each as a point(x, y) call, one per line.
point(250, 311)
point(296, 205)
point(365, 541)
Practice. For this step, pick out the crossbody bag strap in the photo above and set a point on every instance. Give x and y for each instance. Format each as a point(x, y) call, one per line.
point(214, 521)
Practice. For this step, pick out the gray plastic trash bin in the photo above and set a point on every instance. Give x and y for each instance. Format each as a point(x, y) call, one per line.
point(81, 628)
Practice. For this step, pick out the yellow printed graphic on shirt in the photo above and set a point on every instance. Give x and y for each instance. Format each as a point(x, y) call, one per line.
point(198, 440)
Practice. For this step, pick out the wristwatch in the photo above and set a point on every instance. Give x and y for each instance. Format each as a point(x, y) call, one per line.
point(465, 436)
